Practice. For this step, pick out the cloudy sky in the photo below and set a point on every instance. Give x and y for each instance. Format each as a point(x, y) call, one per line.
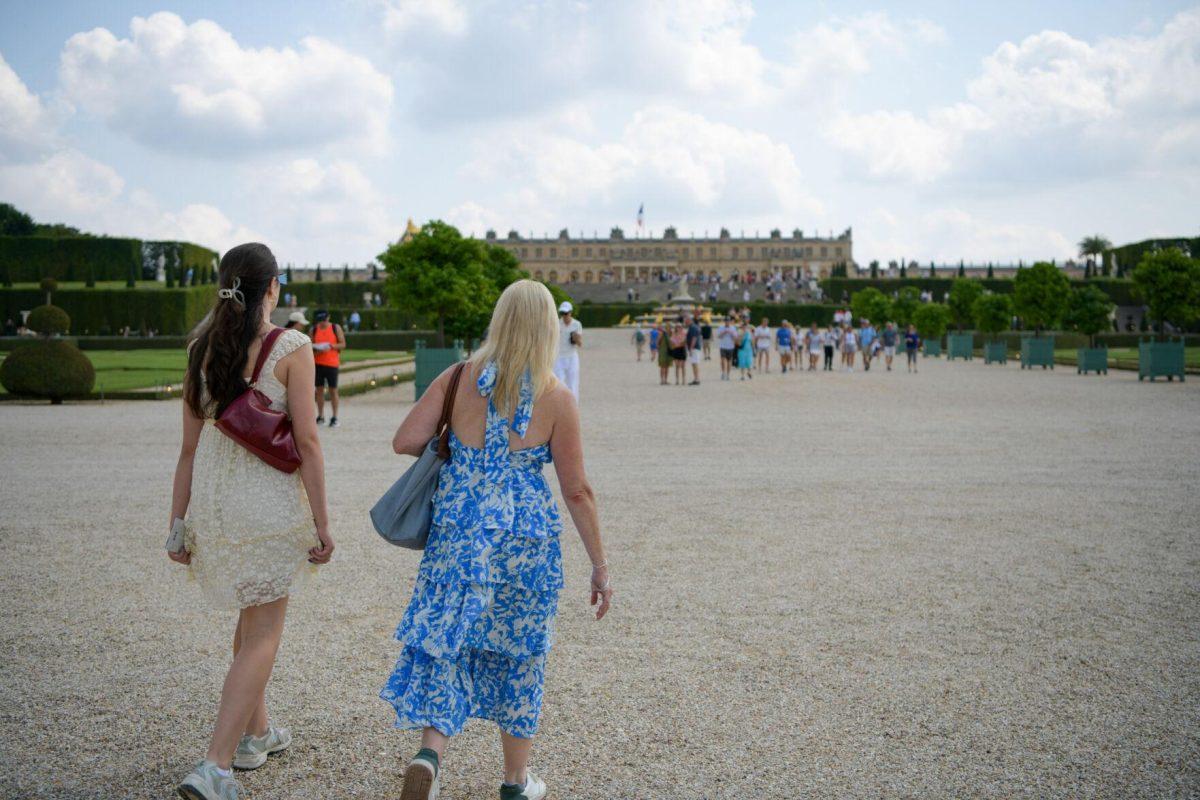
point(320, 127)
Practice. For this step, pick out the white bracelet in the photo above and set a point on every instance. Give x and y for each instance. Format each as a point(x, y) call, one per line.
point(600, 566)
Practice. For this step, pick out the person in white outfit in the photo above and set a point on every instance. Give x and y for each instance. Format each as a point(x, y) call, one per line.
point(570, 339)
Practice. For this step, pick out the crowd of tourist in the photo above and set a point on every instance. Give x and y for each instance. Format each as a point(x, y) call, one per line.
point(748, 349)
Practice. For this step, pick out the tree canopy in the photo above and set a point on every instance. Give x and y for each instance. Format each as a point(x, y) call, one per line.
point(872, 304)
point(963, 294)
point(992, 312)
point(1169, 281)
point(931, 320)
point(1040, 295)
point(905, 304)
point(440, 274)
point(1088, 310)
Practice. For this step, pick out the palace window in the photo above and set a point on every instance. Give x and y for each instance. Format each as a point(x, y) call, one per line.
point(524, 253)
point(537, 252)
point(735, 252)
point(685, 252)
point(574, 251)
point(587, 251)
point(554, 252)
point(824, 251)
point(712, 252)
point(837, 251)
point(808, 251)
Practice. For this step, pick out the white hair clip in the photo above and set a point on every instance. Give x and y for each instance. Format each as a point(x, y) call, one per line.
point(234, 294)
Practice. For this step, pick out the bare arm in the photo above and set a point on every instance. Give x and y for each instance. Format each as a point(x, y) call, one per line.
point(566, 449)
point(298, 375)
point(340, 344)
point(181, 492)
point(420, 425)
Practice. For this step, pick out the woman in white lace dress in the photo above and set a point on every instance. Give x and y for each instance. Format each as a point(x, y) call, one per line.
point(252, 533)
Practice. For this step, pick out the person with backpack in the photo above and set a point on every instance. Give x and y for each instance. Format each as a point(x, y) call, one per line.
point(328, 342)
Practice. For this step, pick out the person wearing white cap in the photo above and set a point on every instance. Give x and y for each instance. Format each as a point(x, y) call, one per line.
point(297, 320)
point(570, 339)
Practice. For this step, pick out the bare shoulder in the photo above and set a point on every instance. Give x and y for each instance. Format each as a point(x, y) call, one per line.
point(557, 400)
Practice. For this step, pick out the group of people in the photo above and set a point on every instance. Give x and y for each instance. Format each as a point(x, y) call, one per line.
point(478, 628)
point(747, 348)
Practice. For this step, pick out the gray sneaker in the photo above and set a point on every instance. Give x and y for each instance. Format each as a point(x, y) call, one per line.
point(534, 789)
point(205, 783)
point(420, 780)
point(252, 751)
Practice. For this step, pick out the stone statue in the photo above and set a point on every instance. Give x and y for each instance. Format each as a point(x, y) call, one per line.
point(683, 292)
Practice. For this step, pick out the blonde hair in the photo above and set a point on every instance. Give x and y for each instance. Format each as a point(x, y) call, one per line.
point(523, 335)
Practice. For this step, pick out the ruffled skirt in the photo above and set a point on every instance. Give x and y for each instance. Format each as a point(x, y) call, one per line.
point(476, 632)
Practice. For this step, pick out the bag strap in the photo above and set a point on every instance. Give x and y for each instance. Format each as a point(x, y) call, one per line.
point(443, 427)
point(264, 351)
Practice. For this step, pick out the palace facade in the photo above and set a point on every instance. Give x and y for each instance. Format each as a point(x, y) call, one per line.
point(617, 259)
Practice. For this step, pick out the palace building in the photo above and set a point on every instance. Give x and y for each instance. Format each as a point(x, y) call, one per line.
point(617, 259)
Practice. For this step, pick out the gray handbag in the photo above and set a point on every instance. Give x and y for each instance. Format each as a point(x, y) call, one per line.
point(404, 513)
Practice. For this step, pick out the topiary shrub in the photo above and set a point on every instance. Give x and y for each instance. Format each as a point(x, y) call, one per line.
point(49, 320)
point(49, 368)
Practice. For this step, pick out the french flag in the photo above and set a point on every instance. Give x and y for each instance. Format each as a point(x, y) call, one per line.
point(641, 222)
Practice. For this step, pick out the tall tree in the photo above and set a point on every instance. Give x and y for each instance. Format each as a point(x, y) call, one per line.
point(1040, 295)
point(1169, 281)
point(992, 313)
point(872, 304)
point(14, 222)
point(905, 305)
point(931, 320)
point(439, 273)
point(1091, 247)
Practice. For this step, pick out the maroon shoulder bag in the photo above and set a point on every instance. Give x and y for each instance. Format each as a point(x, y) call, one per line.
point(251, 422)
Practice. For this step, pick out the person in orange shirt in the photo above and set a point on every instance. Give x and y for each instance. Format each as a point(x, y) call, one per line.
point(328, 341)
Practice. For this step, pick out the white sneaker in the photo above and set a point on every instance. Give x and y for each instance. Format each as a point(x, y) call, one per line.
point(420, 780)
point(205, 783)
point(252, 751)
point(534, 789)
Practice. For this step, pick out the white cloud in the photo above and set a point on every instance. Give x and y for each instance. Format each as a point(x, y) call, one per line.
point(26, 128)
point(193, 88)
point(1050, 105)
point(679, 162)
point(69, 186)
point(312, 207)
point(440, 16)
point(947, 235)
point(510, 60)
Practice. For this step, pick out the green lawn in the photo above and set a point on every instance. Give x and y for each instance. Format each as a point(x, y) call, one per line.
point(127, 370)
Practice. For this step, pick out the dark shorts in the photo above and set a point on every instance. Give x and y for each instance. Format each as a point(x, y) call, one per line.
point(679, 353)
point(727, 353)
point(327, 376)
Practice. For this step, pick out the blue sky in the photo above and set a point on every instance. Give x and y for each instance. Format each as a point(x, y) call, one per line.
point(1009, 132)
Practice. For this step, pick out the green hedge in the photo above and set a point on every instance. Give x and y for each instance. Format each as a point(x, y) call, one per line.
point(391, 340)
point(106, 311)
point(1128, 256)
point(28, 259)
point(378, 319)
point(333, 293)
point(1121, 291)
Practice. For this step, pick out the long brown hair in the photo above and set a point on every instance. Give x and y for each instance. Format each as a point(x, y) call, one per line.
point(221, 343)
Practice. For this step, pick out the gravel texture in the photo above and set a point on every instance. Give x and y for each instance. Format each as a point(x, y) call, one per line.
point(972, 582)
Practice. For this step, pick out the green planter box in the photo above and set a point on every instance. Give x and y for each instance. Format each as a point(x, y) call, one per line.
point(1091, 359)
point(960, 345)
point(1160, 358)
point(433, 361)
point(1037, 351)
point(933, 347)
point(995, 353)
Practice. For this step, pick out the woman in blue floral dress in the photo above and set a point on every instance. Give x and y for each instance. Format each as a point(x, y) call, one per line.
point(481, 618)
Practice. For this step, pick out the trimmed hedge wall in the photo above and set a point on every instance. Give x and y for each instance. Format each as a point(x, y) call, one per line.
point(382, 319)
point(334, 293)
point(1121, 291)
point(101, 311)
point(28, 259)
point(1128, 256)
point(391, 340)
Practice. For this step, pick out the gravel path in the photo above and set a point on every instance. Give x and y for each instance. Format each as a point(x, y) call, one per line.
point(972, 582)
